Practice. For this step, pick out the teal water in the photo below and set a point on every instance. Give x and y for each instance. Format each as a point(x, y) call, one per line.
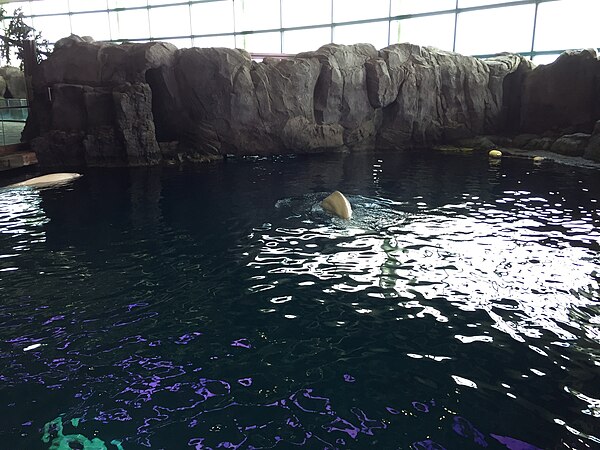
point(218, 307)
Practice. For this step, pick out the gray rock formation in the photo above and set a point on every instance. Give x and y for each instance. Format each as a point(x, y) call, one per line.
point(59, 148)
point(135, 104)
point(14, 83)
point(564, 95)
point(133, 114)
point(94, 98)
point(78, 61)
point(442, 96)
point(483, 143)
point(571, 144)
point(340, 95)
point(592, 150)
point(522, 140)
point(243, 107)
point(540, 143)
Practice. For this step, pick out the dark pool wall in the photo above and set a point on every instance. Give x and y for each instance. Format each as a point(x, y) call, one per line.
point(100, 104)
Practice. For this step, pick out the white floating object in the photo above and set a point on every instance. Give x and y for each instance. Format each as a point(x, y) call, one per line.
point(495, 154)
point(53, 179)
point(338, 205)
point(32, 347)
point(464, 382)
point(470, 339)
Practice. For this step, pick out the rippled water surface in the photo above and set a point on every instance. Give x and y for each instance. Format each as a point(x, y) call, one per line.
point(219, 307)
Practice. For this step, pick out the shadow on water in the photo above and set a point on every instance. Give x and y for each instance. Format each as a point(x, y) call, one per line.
point(218, 306)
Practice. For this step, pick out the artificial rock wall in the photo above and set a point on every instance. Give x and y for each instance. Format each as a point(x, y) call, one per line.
point(101, 104)
point(12, 83)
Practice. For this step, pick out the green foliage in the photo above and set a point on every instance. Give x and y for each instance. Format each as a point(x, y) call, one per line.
point(16, 34)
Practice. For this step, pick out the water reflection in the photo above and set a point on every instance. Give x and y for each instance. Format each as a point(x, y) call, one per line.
point(518, 267)
point(22, 223)
point(20, 211)
point(219, 307)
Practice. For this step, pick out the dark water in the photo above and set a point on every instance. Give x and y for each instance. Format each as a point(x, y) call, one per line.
point(218, 307)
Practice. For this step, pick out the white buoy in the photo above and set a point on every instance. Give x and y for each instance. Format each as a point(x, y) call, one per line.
point(495, 154)
point(338, 205)
point(53, 179)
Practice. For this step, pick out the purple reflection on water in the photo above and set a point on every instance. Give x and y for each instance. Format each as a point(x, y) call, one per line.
point(367, 425)
point(427, 444)
point(146, 376)
point(464, 428)
point(243, 342)
point(53, 319)
point(135, 339)
point(136, 305)
point(514, 444)
point(83, 396)
point(392, 410)
point(294, 423)
point(144, 316)
point(143, 431)
point(245, 381)
point(187, 338)
point(421, 407)
point(117, 414)
point(197, 443)
point(211, 388)
point(339, 424)
point(233, 446)
point(205, 393)
point(64, 346)
point(57, 362)
point(307, 402)
point(174, 388)
point(22, 339)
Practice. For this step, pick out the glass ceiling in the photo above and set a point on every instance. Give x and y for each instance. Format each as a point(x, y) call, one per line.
point(540, 29)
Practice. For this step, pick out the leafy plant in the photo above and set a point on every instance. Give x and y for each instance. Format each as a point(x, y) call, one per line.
point(12, 43)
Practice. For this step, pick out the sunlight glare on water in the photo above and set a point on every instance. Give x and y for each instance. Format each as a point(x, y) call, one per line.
point(472, 254)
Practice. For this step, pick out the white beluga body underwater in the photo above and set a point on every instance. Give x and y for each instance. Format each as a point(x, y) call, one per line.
point(338, 205)
point(53, 179)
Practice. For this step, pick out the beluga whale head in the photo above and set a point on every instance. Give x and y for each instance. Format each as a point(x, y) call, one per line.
point(338, 205)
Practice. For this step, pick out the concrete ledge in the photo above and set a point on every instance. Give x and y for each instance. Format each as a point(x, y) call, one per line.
point(16, 160)
point(13, 148)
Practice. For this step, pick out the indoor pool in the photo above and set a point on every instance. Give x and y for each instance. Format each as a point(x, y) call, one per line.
point(217, 306)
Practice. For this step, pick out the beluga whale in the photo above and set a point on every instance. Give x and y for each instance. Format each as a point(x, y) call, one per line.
point(53, 179)
point(338, 205)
